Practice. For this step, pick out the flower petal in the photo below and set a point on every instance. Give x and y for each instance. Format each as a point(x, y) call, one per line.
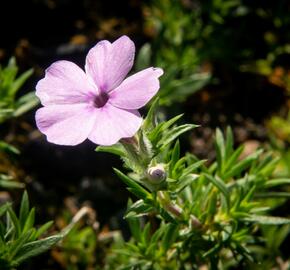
point(113, 124)
point(109, 63)
point(64, 83)
point(66, 124)
point(137, 90)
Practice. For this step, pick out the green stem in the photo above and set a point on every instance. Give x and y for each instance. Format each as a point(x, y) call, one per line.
point(175, 210)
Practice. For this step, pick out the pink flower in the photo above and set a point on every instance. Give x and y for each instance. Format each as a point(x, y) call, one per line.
point(97, 104)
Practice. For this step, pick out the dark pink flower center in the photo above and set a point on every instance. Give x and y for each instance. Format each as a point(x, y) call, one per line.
point(101, 100)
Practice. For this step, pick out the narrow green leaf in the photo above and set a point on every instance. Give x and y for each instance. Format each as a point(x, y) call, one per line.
point(146, 234)
point(3, 245)
point(137, 209)
point(193, 167)
point(220, 149)
point(174, 133)
point(149, 122)
point(273, 195)
point(212, 205)
point(43, 229)
point(268, 220)
point(24, 209)
point(268, 158)
point(178, 167)
point(185, 181)
point(220, 186)
point(175, 153)
point(4, 208)
point(116, 149)
point(25, 103)
point(280, 235)
point(8, 148)
point(156, 133)
point(270, 167)
point(35, 248)
point(29, 220)
point(233, 158)
point(151, 250)
point(135, 228)
point(170, 235)
point(242, 165)
point(15, 221)
point(20, 81)
point(260, 209)
point(277, 182)
point(133, 186)
point(164, 126)
point(9, 74)
point(10, 184)
point(18, 244)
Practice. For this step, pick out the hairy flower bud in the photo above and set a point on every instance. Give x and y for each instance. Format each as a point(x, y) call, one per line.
point(156, 174)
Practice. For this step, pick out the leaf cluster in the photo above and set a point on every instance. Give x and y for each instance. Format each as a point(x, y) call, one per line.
point(19, 237)
point(10, 104)
point(217, 209)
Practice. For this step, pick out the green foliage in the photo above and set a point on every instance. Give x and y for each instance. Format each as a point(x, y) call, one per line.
point(7, 182)
point(279, 131)
point(11, 105)
point(157, 247)
point(77, 250)
point(193, 39)
point(206, 213)
point(10, 84)
point(174, 33)
point(19, 238)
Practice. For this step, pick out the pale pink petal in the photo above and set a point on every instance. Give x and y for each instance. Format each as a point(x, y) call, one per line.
point(65, 83)
point(113, 124)
point(66, 124)
point(137, 90)
point(109, 63)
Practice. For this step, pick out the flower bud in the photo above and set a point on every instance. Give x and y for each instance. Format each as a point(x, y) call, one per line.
point(156, 174)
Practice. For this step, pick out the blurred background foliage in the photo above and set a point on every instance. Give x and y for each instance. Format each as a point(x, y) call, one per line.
point(226, 63)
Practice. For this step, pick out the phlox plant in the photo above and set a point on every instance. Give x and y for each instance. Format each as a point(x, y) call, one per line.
point(184, 212)
point(187, 213)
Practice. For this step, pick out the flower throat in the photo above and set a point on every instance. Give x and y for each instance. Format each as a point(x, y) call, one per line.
point(101, 100)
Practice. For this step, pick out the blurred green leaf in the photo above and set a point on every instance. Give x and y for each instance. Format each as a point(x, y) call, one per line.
point(8, 148)
point(25, 103)
point(24, 209)
point(29, 220)
point(35, 248)
point(144, 57)
point(43, 229)
point(268, 220)
point(221, 187)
